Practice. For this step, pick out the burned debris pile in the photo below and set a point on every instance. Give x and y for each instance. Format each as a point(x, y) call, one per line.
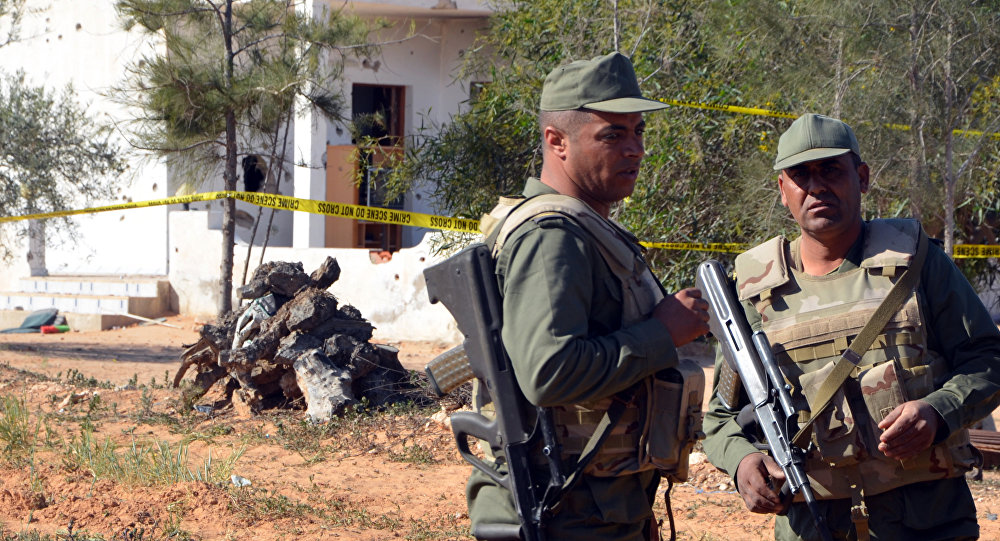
point(293, 343)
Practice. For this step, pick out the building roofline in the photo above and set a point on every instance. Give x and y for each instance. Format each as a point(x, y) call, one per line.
point(464, 9)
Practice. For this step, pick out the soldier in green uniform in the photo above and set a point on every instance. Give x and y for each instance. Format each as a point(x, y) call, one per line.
point(584, 318)
point(888, 450)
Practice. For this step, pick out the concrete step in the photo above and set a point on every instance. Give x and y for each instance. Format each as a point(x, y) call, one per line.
point(127, 286)
point(83, 304)
point(92, 302)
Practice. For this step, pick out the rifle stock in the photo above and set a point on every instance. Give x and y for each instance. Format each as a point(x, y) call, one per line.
point(749, 354)
point(466, 285)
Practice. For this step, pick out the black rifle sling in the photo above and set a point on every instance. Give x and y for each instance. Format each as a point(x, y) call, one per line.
point(852, 355)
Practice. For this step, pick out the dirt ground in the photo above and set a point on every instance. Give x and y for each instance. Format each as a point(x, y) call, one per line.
point(96, 449)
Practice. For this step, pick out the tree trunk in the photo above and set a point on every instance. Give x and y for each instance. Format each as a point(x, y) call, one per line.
point(229, 177)
point(916, 119)
point(949, 147)
point(841, 87)
point(36, 247)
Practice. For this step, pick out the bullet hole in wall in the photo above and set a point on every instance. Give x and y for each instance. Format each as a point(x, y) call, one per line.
point(79, 26)
point(154, 186)
point(421, 259)
point(396, 277)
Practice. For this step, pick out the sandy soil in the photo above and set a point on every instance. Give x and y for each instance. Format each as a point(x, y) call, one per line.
point(395, 476)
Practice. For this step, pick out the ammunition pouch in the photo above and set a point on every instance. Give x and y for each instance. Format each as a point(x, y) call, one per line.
point(659, 427)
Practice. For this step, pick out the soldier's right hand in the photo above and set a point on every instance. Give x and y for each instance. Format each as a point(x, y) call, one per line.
point(684, 314)
point(759, 479)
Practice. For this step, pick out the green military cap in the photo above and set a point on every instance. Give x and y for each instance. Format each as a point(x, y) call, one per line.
point(814, 137)
point(604, 83)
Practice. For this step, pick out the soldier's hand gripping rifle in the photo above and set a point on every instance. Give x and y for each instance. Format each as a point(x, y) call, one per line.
point(751, 357)
point(466, 285)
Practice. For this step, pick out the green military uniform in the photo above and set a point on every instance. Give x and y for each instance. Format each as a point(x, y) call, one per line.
point(960, 331)
point(564, 334)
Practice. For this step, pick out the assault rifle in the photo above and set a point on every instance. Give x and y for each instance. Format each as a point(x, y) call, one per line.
point(751, 357)
point(466, 285)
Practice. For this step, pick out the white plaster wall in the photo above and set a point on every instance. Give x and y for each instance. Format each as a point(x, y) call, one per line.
point(427, 65)
point(392, 295)
point(195, 253)
point(66, 41)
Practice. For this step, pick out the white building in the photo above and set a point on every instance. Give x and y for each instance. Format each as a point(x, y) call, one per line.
point(81, 42)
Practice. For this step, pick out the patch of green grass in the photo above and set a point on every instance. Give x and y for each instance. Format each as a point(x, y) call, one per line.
point(256, 504)
point(144, 463)
point(75, 377)
point(17, 433)
point(66, 534)
point(450, 527)
point(413, 454)
point(345, 513)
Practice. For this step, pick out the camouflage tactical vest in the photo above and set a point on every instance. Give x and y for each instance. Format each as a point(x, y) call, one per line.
point(810, 321)
point(661, 421)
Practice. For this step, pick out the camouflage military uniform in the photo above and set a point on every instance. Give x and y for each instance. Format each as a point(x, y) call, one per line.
point(966, 387)
point(563, 331)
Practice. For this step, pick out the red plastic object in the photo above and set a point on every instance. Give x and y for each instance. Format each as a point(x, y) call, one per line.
point(53, 329)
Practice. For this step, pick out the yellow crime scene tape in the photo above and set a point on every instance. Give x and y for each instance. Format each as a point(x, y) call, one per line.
point(407, 218)
point(760, 111)
point(464, 225)
point(967, 251)
point(723, 247)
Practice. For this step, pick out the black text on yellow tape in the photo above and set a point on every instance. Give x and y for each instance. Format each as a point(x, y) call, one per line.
point(723, 247)
point(967, 251)
point(412, 219)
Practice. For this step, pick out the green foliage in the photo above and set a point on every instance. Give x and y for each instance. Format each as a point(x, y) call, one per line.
point(144, 463)
point(11, 14)
point(18, 434)
point(904, 74)
point(53, 155)
point(226, 84)
point(247, 59)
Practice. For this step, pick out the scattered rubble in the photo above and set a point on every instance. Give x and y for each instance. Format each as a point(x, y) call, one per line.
point(293, 342)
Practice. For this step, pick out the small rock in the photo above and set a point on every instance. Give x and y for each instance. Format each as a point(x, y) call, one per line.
point(73, 398)
point(240, 481)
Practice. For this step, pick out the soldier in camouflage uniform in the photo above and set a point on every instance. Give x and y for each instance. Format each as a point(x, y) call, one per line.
point(584, 319)
point(888, 450)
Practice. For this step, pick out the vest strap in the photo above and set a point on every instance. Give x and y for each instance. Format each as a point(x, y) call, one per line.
point(850, 358)
point(859, 511)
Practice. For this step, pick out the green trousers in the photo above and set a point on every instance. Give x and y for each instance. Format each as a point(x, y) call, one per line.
point(595, 509)
point(927, 511)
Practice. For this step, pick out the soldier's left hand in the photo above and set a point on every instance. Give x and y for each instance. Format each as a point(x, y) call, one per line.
point(908, 429)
